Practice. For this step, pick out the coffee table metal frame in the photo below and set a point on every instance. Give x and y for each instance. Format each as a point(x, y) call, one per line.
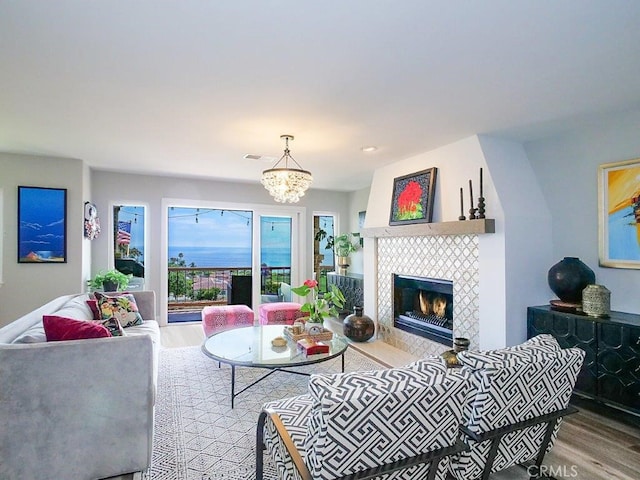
point(247, 337)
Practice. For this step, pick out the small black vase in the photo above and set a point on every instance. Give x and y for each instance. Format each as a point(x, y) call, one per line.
point(569, 277)
point(358, 327)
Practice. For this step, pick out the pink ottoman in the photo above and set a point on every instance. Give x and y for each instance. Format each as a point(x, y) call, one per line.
point(217, 318)
point(280, 313)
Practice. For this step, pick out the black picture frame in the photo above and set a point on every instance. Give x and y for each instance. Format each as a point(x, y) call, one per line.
point(42, 225)
point(413, 197)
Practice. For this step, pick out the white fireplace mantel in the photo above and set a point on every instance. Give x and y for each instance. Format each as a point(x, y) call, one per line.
point(462, 227)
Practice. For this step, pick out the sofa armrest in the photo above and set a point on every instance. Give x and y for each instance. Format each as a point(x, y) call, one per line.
point(76, 409)
point(146, 302)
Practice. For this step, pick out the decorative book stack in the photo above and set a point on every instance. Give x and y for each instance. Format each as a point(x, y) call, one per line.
point(309, 346)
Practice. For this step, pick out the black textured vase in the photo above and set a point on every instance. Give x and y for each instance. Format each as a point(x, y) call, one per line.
point(569, 277)
point(358, 327)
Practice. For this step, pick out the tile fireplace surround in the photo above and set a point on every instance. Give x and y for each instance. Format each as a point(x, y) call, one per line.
point(449, 257)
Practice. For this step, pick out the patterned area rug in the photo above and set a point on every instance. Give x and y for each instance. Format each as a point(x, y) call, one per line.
point(197, 434)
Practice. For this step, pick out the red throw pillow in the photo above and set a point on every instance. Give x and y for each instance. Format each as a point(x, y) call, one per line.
point(62, 328)
point(93, 305)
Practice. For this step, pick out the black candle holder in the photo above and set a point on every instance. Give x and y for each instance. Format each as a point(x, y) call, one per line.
point(461, 217)
point(472, 213)
point(480, 209)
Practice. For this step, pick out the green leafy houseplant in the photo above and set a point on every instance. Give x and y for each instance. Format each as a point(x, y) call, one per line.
point(344, 244)
point(113, 276)
point(321, 305)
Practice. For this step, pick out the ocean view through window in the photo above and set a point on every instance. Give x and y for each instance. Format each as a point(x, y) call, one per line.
point(210, 250)
point(222, 238)
point(228, 256)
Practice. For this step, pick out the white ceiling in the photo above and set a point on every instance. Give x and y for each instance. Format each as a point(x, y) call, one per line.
point(187, 87)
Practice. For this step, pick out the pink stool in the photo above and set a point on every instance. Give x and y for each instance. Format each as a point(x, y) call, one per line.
point(280, 313)
point(217, 318)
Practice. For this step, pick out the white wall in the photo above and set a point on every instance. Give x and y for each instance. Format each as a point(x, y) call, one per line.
point(109, 187)
point(27, 286)
point(526, 252)
point(1, 233)
point(566, 167)
point(357, 203)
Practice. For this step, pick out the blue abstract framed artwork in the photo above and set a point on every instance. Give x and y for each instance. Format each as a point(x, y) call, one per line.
point(619, 215)
point(42, 225)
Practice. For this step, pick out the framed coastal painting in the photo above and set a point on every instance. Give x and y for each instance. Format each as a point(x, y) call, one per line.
point(413, 197)
point(42, 225)
point(619, 214)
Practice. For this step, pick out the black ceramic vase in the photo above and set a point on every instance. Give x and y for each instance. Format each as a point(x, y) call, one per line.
point(358, 327)
point(569, 277)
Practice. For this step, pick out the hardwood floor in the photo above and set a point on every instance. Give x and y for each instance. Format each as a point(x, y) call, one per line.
point(599, 446)
point(184, 335)
point(590, 445)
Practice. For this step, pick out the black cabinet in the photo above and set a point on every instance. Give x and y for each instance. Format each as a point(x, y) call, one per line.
point(351, 286)
point(611, 370)
point(241, 290)
point(619, 364)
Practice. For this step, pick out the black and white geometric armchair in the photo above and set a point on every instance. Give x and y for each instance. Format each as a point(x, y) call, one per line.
point(397, 423)
point(521, 395)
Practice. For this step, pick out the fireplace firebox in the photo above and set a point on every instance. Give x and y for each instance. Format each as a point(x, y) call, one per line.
point(424, 306)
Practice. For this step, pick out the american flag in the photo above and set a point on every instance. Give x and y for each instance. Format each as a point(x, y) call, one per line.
point(124, 233)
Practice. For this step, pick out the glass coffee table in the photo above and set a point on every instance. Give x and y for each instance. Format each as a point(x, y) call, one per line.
point(251, 347)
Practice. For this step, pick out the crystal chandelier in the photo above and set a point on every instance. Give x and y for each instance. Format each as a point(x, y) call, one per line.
point(286, 185)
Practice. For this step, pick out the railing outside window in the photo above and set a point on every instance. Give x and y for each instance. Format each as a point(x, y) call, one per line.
point(199, 286)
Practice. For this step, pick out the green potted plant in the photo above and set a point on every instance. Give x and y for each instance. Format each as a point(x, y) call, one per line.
point(321, 305)
point(110, 280)
point(344, 245)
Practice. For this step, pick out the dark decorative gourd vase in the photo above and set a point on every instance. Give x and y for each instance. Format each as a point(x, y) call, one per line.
point(569, 277)
point(358, 327)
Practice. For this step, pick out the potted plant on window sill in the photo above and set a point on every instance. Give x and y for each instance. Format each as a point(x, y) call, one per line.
point(344, 245)
point(110, 280)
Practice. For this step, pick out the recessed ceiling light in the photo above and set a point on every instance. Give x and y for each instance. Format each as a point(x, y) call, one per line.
point(255, 156)
point(369, 148)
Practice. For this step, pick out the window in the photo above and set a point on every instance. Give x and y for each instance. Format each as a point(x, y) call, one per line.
point(323, 257)
point(129, 241)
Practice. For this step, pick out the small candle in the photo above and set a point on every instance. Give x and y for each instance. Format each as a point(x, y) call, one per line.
point(471, 192)
point(481, 181)
point(461, 203)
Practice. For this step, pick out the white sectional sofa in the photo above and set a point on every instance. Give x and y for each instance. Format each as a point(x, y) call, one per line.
point(79, 409)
